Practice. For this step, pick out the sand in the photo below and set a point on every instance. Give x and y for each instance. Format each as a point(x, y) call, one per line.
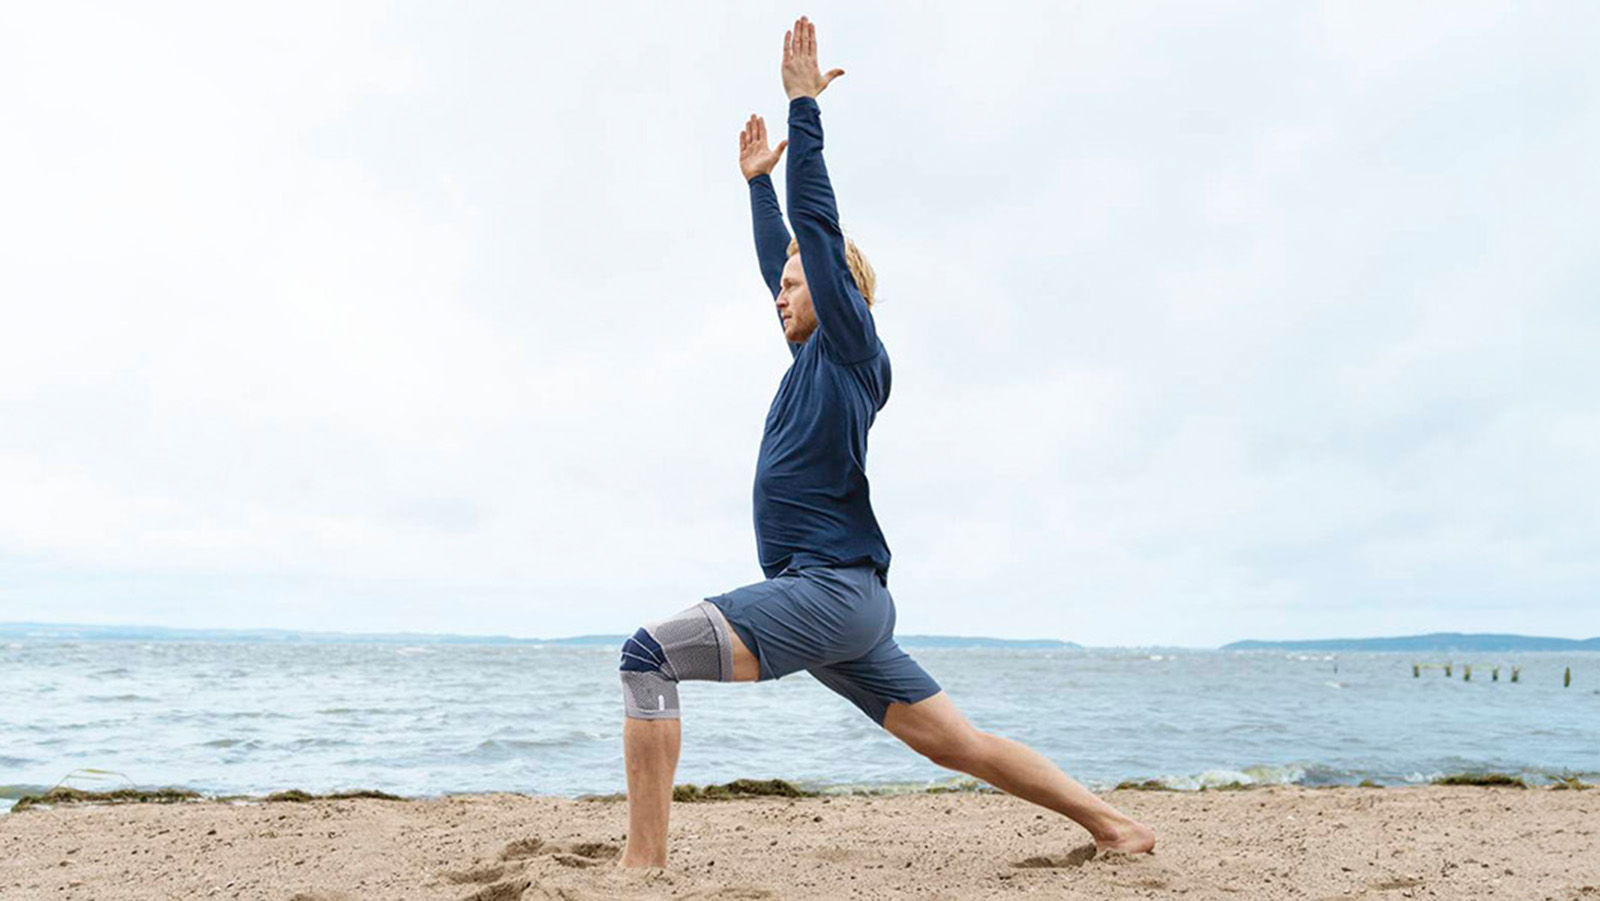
point(1284, 842)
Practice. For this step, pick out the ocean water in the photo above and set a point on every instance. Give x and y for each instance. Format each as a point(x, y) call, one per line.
point(230, 717)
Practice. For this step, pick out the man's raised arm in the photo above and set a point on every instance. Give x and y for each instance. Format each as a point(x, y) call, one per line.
point(843, 320)
point(772, 238)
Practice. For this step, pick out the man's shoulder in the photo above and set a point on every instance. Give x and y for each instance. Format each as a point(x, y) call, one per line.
point(878, 360)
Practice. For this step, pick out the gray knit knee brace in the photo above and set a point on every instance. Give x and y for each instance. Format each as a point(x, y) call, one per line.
point(692, 644)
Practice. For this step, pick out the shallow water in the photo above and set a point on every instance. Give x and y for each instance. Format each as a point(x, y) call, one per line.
point(231, 717)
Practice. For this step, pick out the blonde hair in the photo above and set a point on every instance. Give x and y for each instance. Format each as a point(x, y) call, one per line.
point(860, 269)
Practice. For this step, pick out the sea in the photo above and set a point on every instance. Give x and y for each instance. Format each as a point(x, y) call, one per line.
point(230, 718)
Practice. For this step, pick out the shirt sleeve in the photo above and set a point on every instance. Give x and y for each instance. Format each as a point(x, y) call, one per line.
point(772, 239)
point(843, 320)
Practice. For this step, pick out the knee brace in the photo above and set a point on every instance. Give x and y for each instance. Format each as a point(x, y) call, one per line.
point(693, 644)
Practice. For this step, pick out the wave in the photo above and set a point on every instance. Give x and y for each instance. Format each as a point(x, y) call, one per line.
point(347, 711)
point(948, 784)
point(1249, 776)
point(232, 743)
point(321, 743)
point(14, 792)
point(502, 748)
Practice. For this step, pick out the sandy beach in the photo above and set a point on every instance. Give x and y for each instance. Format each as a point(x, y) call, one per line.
point(1281, 842)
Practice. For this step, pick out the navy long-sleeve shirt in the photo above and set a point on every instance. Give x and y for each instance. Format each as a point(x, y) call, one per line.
point(812, 503)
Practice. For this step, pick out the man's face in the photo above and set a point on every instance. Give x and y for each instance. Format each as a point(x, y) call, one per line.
point(794, 302)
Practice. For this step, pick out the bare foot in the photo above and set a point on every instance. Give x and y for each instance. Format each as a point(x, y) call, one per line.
point(1131, 837)
point(629, 859)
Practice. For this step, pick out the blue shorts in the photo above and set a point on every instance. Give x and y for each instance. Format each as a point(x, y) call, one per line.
point(837, 623)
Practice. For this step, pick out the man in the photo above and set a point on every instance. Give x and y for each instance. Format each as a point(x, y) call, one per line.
point(825, 605)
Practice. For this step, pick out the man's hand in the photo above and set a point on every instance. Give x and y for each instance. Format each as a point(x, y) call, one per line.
point(754, 157)
point(801, 77)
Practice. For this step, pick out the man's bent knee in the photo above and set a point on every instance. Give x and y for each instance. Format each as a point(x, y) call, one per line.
point(692, 644)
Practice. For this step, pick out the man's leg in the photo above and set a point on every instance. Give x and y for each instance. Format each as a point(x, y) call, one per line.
point(934, 728)
point(651, 750)
point(651, 739)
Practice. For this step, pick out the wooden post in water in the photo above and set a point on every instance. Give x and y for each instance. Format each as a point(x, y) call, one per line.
point(1494, 674)
point(1516, 673)
point(1566, 681)
point(1447, 671)
point(1416, 671)
point(1466, 673)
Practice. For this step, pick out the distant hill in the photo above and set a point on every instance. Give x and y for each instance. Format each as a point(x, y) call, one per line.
point(79, 632)
point(962, 641)
point(1437, 641)
point(82, 632)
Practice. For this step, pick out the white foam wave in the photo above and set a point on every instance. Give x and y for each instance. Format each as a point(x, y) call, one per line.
point(1226, 778)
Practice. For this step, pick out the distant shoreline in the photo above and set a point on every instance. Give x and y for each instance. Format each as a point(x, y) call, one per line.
point(32, 631)
point(1437, 641)
point(1433, 642)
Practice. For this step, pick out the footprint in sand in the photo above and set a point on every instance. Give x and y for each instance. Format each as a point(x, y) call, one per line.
point(510, 890)
point(514, 859)
point(522, 847)
point(572, 854)
point(1077, 857)
point(486, 873)
point(597, 850)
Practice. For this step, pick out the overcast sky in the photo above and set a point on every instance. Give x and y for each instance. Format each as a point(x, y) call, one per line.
point(1207, 321)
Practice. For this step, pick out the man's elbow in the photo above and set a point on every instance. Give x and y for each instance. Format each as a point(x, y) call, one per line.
point(813, 216)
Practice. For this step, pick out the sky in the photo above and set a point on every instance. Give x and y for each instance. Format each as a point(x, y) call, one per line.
point(1208, 321)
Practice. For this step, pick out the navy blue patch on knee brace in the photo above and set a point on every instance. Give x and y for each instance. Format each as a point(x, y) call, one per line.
point(642, 653)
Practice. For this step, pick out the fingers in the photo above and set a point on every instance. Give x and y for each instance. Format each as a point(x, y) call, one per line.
point(800, 41)
point(754, 135)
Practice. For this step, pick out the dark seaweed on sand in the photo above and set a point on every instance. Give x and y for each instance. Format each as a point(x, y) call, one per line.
point(1148, 785)
point(1481, 779)
point(60, 796)
point(296, 795)
point(740, 788)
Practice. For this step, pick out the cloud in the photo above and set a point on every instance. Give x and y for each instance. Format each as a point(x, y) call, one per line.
point(1206, 321)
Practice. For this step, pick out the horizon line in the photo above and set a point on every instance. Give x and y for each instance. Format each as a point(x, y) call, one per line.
point(595, 636)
